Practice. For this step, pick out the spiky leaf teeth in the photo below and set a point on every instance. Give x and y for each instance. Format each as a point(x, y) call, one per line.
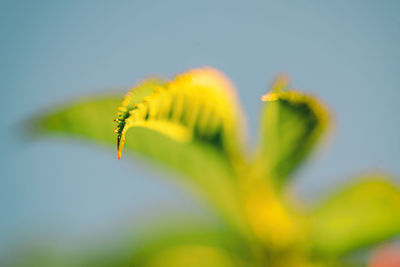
point(199, 103)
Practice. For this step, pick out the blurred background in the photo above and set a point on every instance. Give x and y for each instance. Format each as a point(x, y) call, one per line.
point(346, 52)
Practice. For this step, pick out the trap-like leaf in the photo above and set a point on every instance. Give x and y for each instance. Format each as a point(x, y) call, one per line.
point(199, 106)
point(361, 214)
point(204, 157)
point(291, 124)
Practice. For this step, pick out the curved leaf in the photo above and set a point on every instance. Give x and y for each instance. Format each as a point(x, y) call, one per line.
point(199, 105)
point(361, 214)
point(291, 124)
point(203, 160)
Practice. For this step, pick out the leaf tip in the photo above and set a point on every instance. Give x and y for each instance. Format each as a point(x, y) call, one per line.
point(270, 97)
point(281, 84)
point(120, 144)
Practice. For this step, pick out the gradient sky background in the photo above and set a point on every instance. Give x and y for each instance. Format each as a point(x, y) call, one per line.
point(346, 52)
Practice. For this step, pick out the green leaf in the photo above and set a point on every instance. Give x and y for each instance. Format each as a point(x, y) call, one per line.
point(204, 161)
point(359, 215)
point(195, 256)
point(291, 124)
point(174, 246)
point(144, 246)
point(90, 118)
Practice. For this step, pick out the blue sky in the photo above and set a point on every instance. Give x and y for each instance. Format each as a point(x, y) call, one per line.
point(346, 52)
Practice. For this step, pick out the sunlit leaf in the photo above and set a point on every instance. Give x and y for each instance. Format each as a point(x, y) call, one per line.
point(291, 124)
point(199, 106)
point(92, 118)
point(361, 214)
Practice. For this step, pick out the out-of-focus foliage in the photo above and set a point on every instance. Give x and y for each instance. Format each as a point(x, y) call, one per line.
point(360, 214)
point(292, 124)
point(193, 125)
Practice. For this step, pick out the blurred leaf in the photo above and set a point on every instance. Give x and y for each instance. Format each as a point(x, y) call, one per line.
point(291, 124)
point(208, 166)
point(90, 118)
point(185, 243)
point(361, 214)
point(194, 256)
point(145, 247)
point(141, 247)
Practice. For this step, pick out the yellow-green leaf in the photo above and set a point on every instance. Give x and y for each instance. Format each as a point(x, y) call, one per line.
point(197, 106)
point(196, 242)
point(202, 160)
point(361, 214)
point(291, 124)
point(194, 256)
point(142, 246)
